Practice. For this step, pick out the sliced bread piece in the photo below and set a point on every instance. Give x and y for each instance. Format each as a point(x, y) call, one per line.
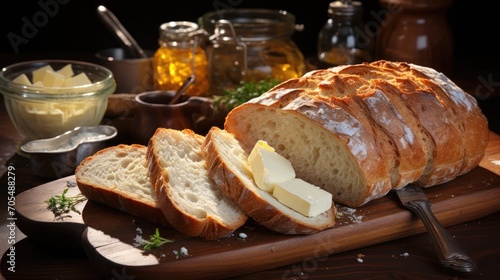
point(190, 200)
point(227, 166)
point(118, 177)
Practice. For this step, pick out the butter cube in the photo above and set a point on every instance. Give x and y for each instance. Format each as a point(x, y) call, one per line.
point(263, 144)
point(22, 79)
point(38, 84)
point(53, 79)
point(303, 197)
point(77, 80)
point(67, 71)
point(39, 74)
point(268, 167)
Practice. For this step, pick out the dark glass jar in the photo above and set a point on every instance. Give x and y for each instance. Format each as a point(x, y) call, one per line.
point(418, 32)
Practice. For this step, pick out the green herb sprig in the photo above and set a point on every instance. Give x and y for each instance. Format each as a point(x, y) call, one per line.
point(155, 241)
point(61, 205)
point(244, 92)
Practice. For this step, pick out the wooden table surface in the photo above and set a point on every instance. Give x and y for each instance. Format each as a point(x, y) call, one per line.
point(407, 258)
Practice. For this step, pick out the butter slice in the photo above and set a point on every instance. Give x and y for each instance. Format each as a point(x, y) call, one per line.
point(67, 71)
point(53, 79)
point(38, 84)
point(303, 197)
point(39, 74)
point(268, 167)
point(22, 79)
point(77, 80)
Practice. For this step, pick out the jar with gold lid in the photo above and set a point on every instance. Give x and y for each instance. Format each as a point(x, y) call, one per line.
point(250, 45)
point(179, 55)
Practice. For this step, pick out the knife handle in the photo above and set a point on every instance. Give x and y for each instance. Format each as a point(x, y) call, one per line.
point(449, 251)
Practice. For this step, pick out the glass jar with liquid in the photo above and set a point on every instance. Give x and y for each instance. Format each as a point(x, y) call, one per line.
point(250, 45)
point(179, 55)
point(343, 39)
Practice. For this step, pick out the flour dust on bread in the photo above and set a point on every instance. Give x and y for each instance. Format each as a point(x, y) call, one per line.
point(359, 131)
point(227, 166)
point(188, 197)
point(117, 176)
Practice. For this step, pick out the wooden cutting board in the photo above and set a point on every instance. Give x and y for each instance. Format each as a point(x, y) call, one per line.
point(107, 235)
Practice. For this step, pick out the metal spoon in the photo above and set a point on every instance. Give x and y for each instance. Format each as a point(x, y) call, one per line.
point(189, 80)
point(127, 41)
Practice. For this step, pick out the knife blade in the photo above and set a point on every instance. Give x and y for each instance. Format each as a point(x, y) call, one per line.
point(450, 252)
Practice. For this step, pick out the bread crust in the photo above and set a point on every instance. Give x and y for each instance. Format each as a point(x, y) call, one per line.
point(144, 209)
point(257, 203)
point(209, 227)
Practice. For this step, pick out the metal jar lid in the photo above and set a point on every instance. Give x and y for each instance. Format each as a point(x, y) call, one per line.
point(178, 30)
point(345, 9)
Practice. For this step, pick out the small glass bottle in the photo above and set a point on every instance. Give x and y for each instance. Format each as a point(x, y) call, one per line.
point(179, 56)
point(343, 40)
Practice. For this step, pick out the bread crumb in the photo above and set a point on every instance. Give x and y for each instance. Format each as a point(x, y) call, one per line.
point(404, 254)
point(348, 213)
point(359, 258)
point(139, 241)
point(243, 235)
point(182, 252)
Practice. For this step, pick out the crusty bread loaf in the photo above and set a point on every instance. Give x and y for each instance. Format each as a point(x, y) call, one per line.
point(117, 176)
point(226, 162)
point(359, 131)
point(189, 199)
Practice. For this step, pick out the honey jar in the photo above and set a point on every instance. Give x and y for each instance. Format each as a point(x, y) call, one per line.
point(250, 45)
point(179, 55)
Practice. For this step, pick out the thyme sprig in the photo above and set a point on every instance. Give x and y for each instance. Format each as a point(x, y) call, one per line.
point(61, 205)
point(155, 241)
point(232, 98)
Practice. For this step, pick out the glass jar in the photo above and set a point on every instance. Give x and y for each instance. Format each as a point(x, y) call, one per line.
point(40, 112)
point(250, 45)
point(342, 39)
point(178, 56)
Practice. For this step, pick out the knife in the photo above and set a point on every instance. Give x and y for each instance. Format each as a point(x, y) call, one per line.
point(450, 253)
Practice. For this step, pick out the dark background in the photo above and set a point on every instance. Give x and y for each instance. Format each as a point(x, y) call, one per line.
point(76, 27)
point(73, 26)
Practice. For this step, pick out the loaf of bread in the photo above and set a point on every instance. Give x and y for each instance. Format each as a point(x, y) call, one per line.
point(227, 166)
point(117, 176)
point(188, 197)
point(360, 131)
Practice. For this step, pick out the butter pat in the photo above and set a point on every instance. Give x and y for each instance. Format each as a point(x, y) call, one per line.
point(38, 84)
point(77, 80)
point(268, 167)
point(303, 197)
point(39, 74)
point(22, 79)
point(53, 79)
point(67, 71)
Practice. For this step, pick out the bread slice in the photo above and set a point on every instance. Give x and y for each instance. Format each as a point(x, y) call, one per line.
point(443, 140)
point(118, 177)
point(188, 197)
point(226, 161)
